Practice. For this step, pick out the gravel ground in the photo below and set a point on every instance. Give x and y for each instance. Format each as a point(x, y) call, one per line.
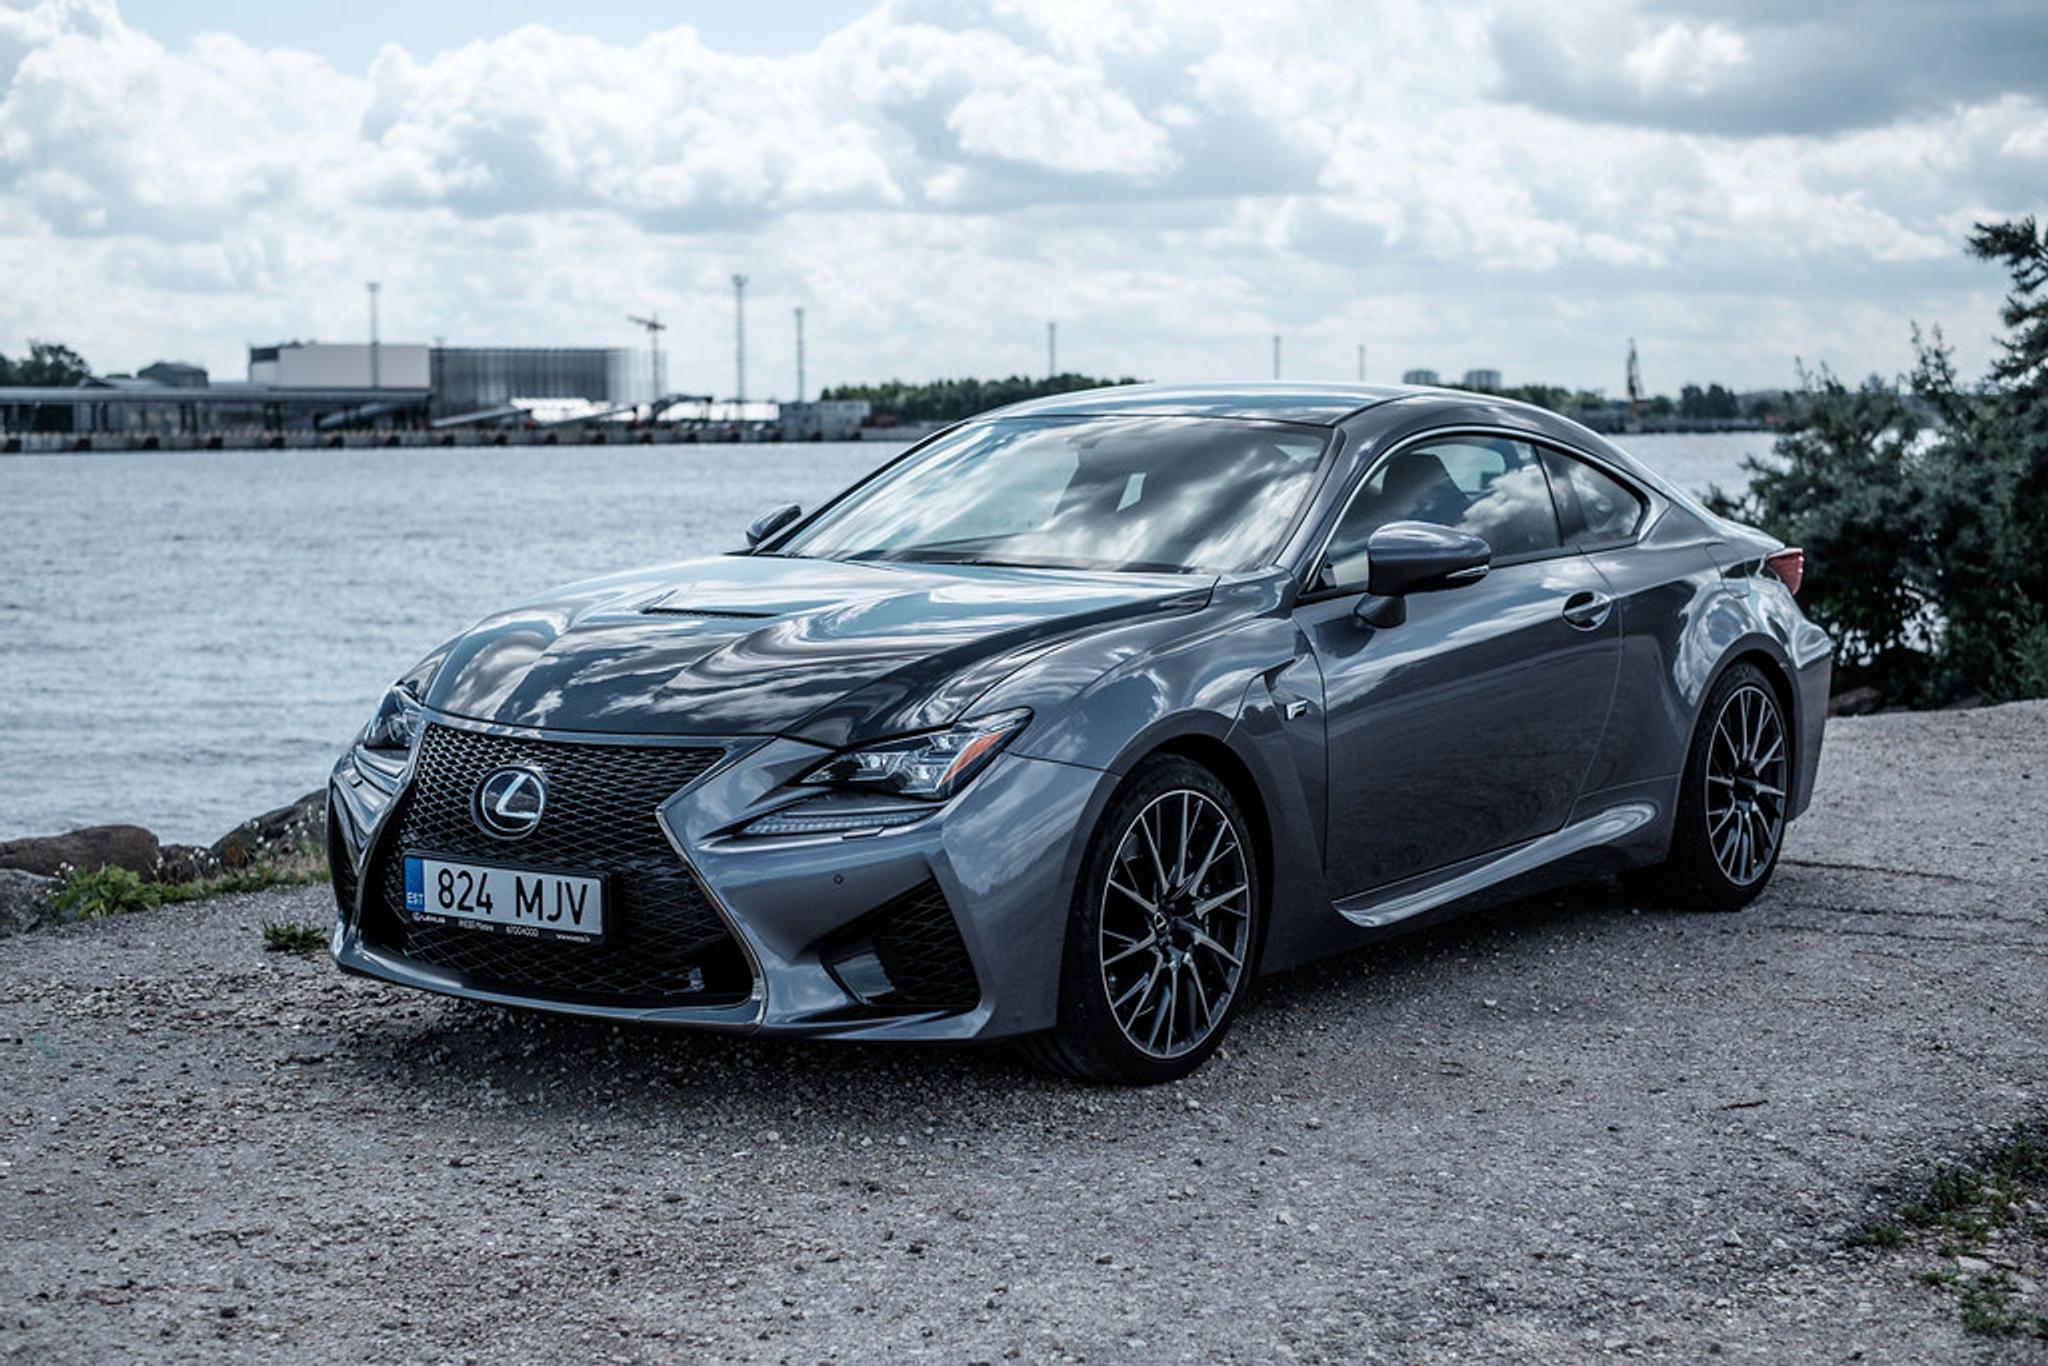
point(1564, 1129)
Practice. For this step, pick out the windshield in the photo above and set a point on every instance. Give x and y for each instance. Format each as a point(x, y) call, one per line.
point(1171, 494)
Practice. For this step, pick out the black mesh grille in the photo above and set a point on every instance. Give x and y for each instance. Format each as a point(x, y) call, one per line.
point(664, 943)
point(918, 944)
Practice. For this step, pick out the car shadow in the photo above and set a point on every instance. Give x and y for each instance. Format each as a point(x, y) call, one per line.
point(444, 1052)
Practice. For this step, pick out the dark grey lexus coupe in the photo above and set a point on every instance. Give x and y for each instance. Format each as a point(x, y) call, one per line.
point(1074, 719)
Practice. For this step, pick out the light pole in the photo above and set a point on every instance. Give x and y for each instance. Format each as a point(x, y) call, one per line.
point(373, 286)
point(1052, 349)
point(799, 355)
point(739, 343)
point(1276, 355)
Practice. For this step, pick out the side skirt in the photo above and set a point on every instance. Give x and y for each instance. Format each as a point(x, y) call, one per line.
point(1404, 900)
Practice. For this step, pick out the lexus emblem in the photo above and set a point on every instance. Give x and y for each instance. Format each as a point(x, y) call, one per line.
point(509, 802)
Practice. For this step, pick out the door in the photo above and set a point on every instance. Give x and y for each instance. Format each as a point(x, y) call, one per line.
point(1469, 727)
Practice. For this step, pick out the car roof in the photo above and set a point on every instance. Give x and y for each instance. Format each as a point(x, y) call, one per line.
point(1320, 405)
point(1327, 405)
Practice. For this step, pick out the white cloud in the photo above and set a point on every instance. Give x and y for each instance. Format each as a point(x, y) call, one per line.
point(1174, 181)
point(1693, 59)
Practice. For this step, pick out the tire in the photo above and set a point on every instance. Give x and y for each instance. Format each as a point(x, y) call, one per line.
point(1197, 944)
point(1732, 802)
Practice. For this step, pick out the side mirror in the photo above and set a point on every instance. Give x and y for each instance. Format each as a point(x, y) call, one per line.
point(770, 522)
point(1417, 557)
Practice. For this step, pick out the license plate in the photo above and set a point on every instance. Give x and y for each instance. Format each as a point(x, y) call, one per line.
point(521, 901)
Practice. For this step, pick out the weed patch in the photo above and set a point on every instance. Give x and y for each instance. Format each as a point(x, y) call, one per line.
point(284, 936)
point(1984, 1226)
point(116, 891)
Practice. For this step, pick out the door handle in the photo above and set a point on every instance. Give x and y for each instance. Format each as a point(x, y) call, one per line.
point(1587, 611)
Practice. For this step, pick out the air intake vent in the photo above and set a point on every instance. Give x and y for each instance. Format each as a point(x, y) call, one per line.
point(907, 954)
point(339, 868)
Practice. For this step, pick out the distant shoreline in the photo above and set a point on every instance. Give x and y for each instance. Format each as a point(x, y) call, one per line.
point(65, 443)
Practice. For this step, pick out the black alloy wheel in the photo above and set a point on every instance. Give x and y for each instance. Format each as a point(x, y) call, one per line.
point(1163, 936)
point(1733, 801)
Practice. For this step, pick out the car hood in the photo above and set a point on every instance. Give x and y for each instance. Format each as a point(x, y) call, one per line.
point(824, 650)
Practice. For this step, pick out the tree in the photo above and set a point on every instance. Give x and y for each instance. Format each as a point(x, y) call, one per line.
point(1842, 485)
point(2022, 372)
point(949, 400)
point(1924, 511)
point(50, 364)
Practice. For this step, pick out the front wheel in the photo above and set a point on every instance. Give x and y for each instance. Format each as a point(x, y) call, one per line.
point(1163, 932)
point(1732, 801)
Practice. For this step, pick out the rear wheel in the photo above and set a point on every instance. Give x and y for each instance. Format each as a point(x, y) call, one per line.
point(1732, 802)
point(1163, 931)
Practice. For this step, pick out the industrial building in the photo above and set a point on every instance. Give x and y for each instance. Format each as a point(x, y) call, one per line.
point(322, 387)
point(462, 380)
point(1488, 380)
point(1418, 377)
point(475, 379)
point(148, 412)
point(305, 392)
point(331, 365)
point(835, 419)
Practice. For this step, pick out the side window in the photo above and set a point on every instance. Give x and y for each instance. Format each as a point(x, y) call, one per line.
point(1609, 510)
point(1492, 487)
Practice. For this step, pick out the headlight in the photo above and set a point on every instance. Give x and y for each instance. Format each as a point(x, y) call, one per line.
point(396, 725)
point(932, 766)
point(839, 814)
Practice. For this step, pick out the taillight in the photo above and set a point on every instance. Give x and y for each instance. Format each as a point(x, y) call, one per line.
point(1789, 566)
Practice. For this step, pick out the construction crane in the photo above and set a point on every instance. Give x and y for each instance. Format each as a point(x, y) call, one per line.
point(655, 327)
point(1635, 381)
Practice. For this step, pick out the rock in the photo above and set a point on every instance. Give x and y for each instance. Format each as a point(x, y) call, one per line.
point(185, 863)
point(95, 847)
point(273, 832)
point(24, 900)
point(1855, 702)
point(1972, 1266)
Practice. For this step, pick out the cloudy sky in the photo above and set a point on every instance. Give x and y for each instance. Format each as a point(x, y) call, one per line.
point(1516, 185)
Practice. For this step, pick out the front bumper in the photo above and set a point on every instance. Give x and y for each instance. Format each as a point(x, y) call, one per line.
point(822, 921)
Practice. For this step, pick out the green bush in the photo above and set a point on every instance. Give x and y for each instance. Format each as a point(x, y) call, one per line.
point(103, 892)
point(1923, 509)
point(116, 891)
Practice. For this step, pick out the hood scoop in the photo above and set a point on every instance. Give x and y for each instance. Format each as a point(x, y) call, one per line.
point(670, 604)
point(663, 609)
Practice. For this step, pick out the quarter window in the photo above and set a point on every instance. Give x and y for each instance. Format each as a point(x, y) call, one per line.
point(1608, 509)
point(1490, 486)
